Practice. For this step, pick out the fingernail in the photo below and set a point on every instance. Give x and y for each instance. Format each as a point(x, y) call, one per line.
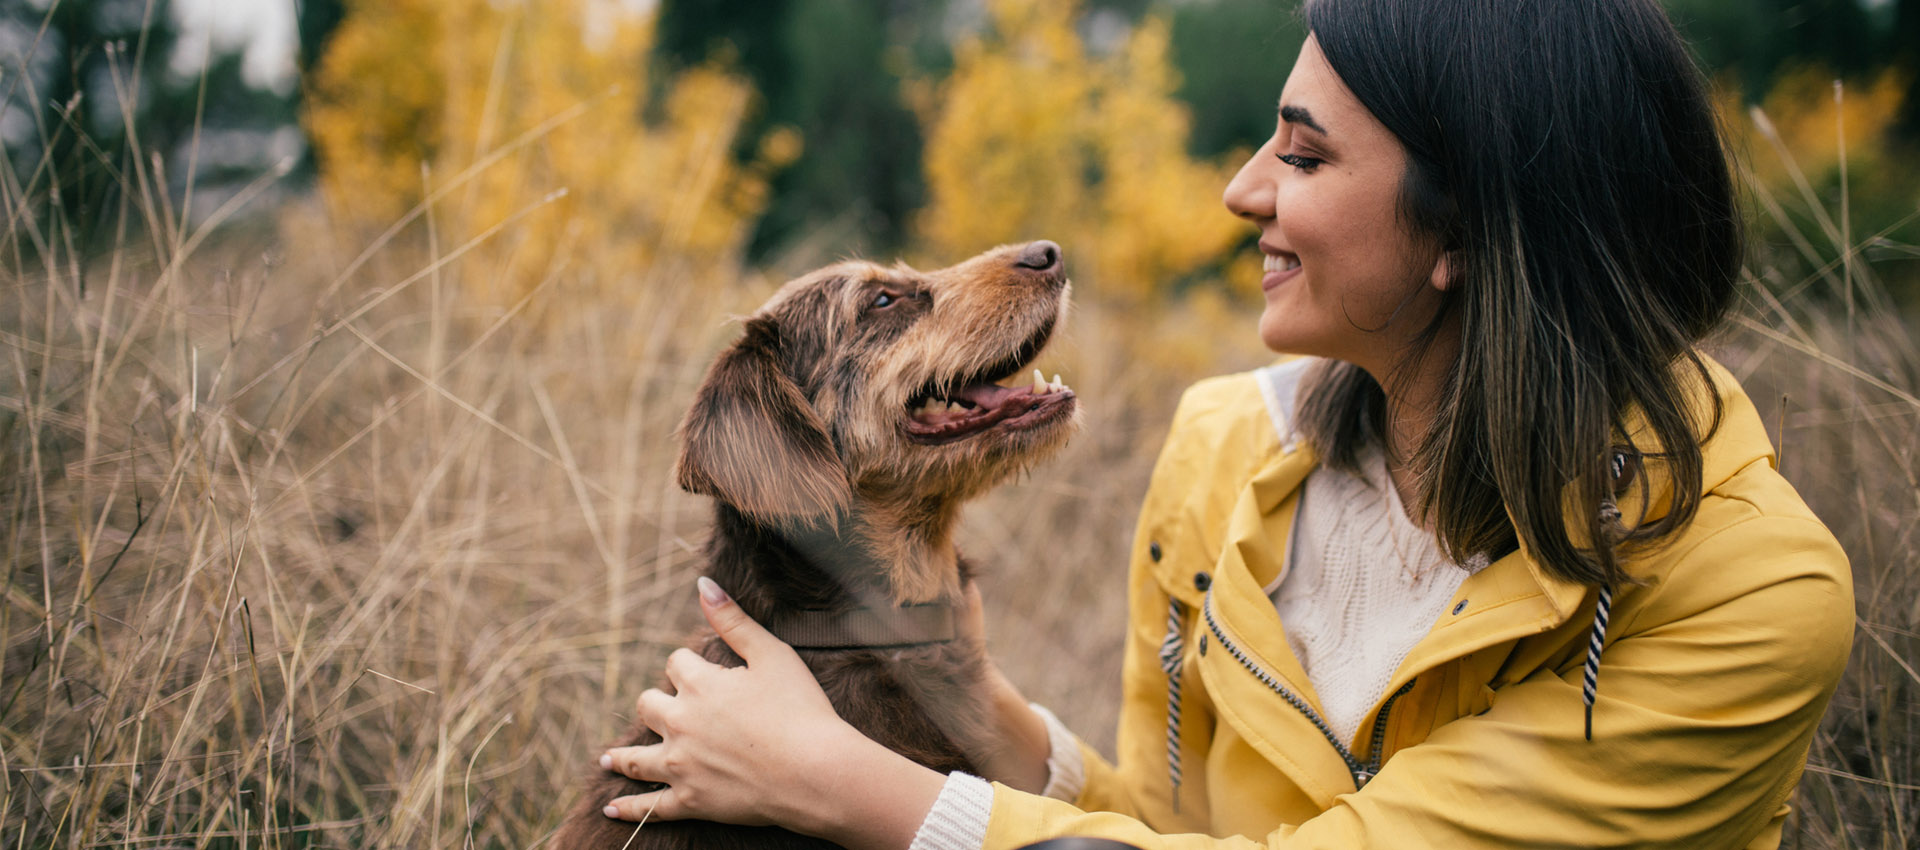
point(606, 760)
point(712, 593)
point(610, 812)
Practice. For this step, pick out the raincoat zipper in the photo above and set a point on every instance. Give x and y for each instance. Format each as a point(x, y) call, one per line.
point(1379, 736)
point(1361, 773)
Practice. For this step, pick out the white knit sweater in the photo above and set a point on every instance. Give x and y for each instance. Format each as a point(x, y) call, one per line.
point(1363, 584)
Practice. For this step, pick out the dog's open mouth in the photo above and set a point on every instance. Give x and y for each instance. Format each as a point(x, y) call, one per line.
point(998, 396)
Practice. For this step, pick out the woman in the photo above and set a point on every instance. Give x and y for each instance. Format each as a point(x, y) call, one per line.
point(1502, 562)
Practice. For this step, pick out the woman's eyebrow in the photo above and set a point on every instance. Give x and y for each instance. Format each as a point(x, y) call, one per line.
point(1300, 115)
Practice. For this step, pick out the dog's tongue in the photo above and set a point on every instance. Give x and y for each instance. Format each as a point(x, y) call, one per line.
point(986, 400)
point(989, 396)
point(990, 403)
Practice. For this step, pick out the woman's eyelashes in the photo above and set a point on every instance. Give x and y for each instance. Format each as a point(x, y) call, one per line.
point(1304, 163)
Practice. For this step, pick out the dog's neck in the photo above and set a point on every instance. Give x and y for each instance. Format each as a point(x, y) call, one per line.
point(866, 558)
point(915, 561)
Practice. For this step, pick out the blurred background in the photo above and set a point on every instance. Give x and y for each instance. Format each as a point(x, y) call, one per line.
point(342, 343)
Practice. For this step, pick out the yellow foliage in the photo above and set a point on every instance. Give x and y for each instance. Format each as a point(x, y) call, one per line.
point(537, 99)
point(1801, 108)
point(1031, 137)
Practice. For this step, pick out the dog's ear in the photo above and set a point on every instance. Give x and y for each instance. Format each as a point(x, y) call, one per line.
point(752, 441)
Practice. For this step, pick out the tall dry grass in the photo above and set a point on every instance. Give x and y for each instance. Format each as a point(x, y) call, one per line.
point(305, 550)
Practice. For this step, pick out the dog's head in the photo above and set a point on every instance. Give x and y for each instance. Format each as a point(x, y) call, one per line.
point(907, 392)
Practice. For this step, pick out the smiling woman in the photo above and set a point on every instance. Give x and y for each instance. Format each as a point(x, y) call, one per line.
point(1501, 561)
point(1337, 258)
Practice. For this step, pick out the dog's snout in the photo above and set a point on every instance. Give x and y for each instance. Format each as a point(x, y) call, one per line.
point(1041, 256)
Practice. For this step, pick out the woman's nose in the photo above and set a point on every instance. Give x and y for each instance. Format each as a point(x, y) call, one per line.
point(1250, 193)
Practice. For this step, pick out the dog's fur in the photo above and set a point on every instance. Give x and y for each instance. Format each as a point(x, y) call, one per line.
point(808, 421)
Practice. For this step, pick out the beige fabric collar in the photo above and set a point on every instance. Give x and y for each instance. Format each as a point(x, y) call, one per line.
point(864, 628)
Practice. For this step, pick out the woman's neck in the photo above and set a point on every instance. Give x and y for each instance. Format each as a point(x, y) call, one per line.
point(1413, 392)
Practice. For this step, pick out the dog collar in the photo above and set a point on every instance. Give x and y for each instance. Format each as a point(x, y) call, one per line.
point(864, 628)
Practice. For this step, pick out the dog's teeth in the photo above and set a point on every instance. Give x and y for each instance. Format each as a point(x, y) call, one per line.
point(1058, 385)
point(1039, 382)
point(956, 407)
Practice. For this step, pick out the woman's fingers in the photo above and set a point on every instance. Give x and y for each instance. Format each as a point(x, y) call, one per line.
point(684, 666)
point(747, 638)
point(750, 745)
point(647, 763)
point(973, 619)
point(663, 804)
point(654, 708)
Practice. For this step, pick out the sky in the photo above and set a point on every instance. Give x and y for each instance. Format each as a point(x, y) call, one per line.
point(264, 29)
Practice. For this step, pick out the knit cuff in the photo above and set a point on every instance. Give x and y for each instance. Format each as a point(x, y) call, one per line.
point(958, 819)
point(1066, 768)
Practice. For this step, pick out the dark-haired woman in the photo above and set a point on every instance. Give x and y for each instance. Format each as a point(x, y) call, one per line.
point(1502, 561)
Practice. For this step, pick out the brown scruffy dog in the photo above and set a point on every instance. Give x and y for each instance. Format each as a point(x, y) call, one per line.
point(863, 405)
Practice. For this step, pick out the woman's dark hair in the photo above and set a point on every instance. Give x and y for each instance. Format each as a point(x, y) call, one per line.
point(1566, 154)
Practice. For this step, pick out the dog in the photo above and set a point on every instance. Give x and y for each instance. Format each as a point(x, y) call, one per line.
point(839, 436)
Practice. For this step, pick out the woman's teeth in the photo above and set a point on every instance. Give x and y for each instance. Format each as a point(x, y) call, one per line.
point(1276, 263)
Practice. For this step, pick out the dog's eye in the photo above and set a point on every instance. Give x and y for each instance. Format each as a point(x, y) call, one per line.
point(883, 299)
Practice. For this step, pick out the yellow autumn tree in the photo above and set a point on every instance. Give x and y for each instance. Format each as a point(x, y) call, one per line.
point(528, 120)
point(1033, 136)
point(1807, 115)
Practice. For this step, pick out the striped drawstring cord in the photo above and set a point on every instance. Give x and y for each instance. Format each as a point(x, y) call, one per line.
point(1591, 677)
point(1173, 649)
point(1617, 466)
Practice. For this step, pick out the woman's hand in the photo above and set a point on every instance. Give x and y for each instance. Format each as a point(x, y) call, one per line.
point(761, 745)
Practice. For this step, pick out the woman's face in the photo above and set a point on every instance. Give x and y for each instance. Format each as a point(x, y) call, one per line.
point(1344, 277)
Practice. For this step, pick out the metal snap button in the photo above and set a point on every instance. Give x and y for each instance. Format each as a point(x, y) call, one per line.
point(1202, 581)
point(1153, 551)
point(1203, 644)
point(1462, 606)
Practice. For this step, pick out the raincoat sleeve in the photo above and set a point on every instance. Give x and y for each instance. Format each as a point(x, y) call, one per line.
point(1712, 685)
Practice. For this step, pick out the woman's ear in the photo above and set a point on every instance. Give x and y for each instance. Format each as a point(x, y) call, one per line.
point(1444, 268)
point(752, 440)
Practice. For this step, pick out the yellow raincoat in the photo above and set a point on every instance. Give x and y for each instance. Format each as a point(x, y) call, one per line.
point(1713, 677)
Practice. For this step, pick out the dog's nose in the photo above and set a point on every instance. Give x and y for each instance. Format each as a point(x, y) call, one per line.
point(1041, 256)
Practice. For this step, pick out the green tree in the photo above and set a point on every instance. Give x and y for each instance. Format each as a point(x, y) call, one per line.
point(94, 99)
point(1905, 37)
point(1232, 57)
point(832, 70)
point(1755, 39)
point(66, 131)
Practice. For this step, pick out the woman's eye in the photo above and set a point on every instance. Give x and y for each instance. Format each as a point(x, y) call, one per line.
point(1304, 163)
point(883, 299)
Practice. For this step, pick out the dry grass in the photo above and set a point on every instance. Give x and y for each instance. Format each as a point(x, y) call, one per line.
point(303, 555)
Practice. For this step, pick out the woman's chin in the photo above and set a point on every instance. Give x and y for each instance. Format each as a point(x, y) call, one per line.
point(1278, 337)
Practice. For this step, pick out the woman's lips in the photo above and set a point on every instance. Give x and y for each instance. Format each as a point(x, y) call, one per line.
point(1278, 269)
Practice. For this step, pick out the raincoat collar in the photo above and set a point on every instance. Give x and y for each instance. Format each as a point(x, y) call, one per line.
point(1737, 441)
